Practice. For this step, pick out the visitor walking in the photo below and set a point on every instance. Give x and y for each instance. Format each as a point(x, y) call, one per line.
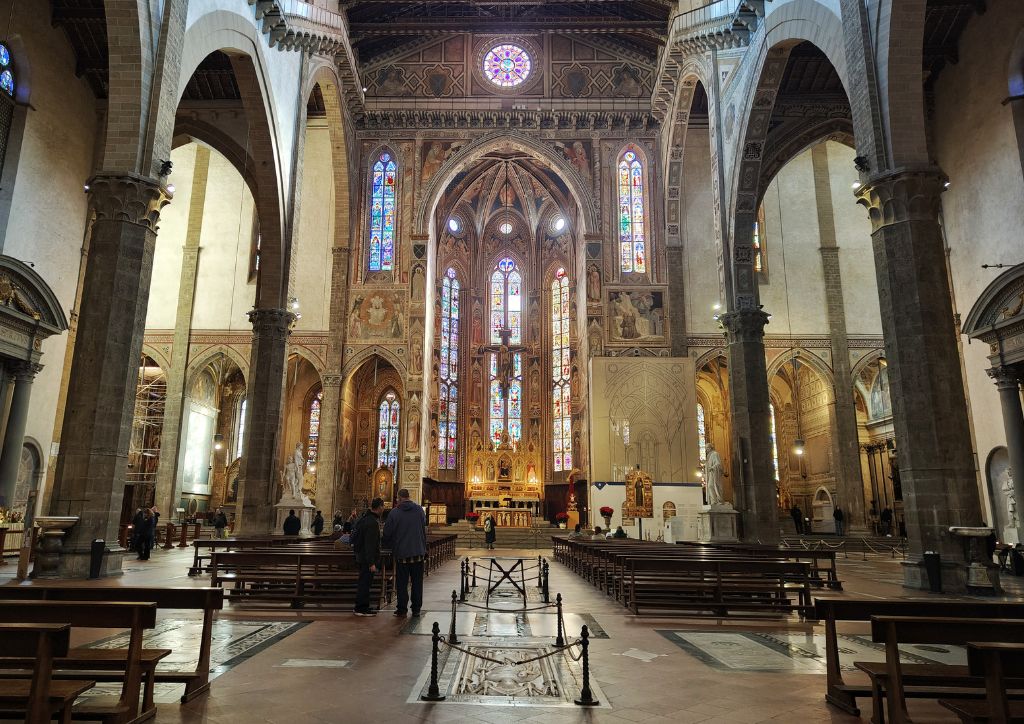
point(405, 533)
point(292, 525)
point(366, 547)
point(886, 519)
point(318, 523)
point(220, 524)
point(839, 518)
point(490, 534)
point(144, 533)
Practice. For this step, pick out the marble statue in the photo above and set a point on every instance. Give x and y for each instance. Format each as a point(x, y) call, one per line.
point(713, 476)
point(293, 472)
point(1011, 501)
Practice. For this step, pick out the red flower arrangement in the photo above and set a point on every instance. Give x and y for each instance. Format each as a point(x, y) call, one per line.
point(561, 517)
point(606, 511)
point(472, 517)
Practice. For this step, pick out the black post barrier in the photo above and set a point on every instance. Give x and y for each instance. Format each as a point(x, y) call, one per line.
point(547, 594)
point(433, 693)
point(540, 568)
point(474, 574)
point(463, 581)
point(586, 695)
point(559, 639)
point(453, 638)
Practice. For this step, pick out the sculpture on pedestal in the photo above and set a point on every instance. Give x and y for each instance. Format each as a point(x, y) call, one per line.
point(713, 476)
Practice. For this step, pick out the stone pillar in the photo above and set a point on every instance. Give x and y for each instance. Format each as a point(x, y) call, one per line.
point(1008, 383)
point(845, 442)
point(257, 481)
point(751, 425)
point(940, 487)
point(14, 437)
point(168, 491)
point(96, 431)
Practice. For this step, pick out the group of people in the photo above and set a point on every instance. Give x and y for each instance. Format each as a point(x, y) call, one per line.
point(598, 534)
point(143, 538)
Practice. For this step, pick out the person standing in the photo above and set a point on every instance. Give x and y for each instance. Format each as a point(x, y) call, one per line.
point(152, 529)
point(405, 532)
point(490, 534)
point(318, 523)
point(292, 525)
point(886, 519)
point(839, 518)
point(798, 518)
point(366, 547)
point(136, 524)
point(220, 524)
point(145, 532)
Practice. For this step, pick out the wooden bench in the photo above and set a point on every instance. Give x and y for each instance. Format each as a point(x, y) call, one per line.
point(38, 698)
point(844, 695)
point(134, 616)
point(207, 600)
point(896, 681)
point(995, 663)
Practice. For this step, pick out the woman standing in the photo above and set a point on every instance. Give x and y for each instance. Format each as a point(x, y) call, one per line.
point(489, 532)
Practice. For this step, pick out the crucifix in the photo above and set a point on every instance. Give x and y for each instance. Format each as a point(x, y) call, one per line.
point(504, 372)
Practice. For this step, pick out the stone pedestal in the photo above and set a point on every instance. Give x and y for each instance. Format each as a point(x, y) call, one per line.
point(49, 549)
point(303, 508)
point(718, 524)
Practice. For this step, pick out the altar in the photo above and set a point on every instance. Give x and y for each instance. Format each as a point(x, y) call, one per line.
point(504, 482)
point(508, 517)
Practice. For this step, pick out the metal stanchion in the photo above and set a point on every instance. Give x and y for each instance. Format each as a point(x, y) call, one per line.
point(433, 693)
point(474, 574)
point(540, 565)
point(453, 637)
point(462, 581)
point(559, 639)
point(586, 695)
point(547, 596)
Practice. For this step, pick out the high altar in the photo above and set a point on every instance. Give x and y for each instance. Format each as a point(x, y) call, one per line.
point(504, 480)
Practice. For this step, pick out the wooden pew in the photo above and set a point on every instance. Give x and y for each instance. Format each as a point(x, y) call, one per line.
point(844, 695)
point(40, 697)
point(896, 681)
point(134, 616)
point(207, 600)
point(995, 663)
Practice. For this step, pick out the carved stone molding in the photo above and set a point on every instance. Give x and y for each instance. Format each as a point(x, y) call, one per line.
point(1005, 377)
point(332, 380)
point(906, 194)
point(744, 325)
point(23, 371)
point(128, 197)
point(271, 322)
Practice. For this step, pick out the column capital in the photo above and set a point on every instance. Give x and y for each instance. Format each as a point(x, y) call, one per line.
point(744, 325)
point(23, 371)
point(332, 380)
point(903, 194)
point(269, 321)
point(1006, 378)
point(341, 251)
point(127, 197)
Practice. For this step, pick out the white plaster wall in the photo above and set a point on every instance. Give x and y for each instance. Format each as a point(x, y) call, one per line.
point(701, 284)
point(48, 210)
point(688, 497)
point(315, 231)
point(974, 143)
point(795, 292)
point(163, 291)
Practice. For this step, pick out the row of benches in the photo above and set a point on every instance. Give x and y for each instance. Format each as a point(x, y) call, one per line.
point(41, 675)
point(659, 577)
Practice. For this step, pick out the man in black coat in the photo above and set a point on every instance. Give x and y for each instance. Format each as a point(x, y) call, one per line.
point(318, 523)
point(366, 547)
point(292, 524)
point(405, 532)
point(798, 518)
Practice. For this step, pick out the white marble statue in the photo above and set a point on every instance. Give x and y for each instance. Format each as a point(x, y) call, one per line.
point(1011, 500)
point(293, 472)
point(713, 476)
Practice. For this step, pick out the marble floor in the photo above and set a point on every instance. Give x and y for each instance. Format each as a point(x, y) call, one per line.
point(279, 665)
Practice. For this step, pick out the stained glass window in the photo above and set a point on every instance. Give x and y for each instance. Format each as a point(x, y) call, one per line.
point(313, 437)
point(506, 302)
point(387, 431)
point(774, 439)
point(240, 435)
point(506, 411)
point(759, 243)
point(507, 65)
point(506, 293)
point(561, 419)
point(383, 211)
point(6, 74)
point(632, 241)
point(448, 371)
point(702, 434)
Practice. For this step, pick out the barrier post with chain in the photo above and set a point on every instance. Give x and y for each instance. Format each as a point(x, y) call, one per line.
point(559, 639)
point(453, 637)
point(433, 693)
point(586, 695)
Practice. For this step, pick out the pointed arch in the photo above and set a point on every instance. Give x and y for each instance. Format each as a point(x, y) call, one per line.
point(389, 424)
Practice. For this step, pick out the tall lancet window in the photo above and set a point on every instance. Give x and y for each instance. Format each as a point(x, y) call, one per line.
point(702, 434)
point(561, 418)
point(505, 388)
point(387, 431)
point(774, 440)
point(632, 238)
point(7, 87)
point(313, 433)
point(448, 371)
point(383, 213)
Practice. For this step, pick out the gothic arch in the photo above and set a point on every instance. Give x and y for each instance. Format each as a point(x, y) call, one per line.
point(307, 354)
point(807, 358)
point(208, 355)
point(866, 361)
point(354, 361)
point(157, 356)
point(901, 77)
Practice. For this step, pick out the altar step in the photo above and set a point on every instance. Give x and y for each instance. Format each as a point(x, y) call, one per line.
point(539, 536)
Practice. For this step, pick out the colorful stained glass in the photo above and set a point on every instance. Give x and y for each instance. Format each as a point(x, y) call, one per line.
point(7, 82)
point(383, 210)
point(702, 435)
point(774, 440)
point(313, 430)
point(632, 240)
point(507, 65)
point(448, 370)
point(5, 56)
point(561, 418)
point(387, 431)
point(758, 242)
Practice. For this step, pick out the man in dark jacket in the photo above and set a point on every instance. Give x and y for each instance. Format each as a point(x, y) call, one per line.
point(366, 547)
point(798, 518)
point(292, 524)
point(405, 533)
point(220, 524)
point(318, 523)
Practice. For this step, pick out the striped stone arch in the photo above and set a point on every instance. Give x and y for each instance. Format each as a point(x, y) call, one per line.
point(804, 357)
point(354, 361)
point(692, 73)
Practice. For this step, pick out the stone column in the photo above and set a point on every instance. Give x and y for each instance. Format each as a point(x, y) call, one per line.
point(751, 425)
point(257, 480)
point(100, 405)
point(845, 442)
point(14, 437)
point(940, 487)
point(1008, 383)
point(168, 490)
